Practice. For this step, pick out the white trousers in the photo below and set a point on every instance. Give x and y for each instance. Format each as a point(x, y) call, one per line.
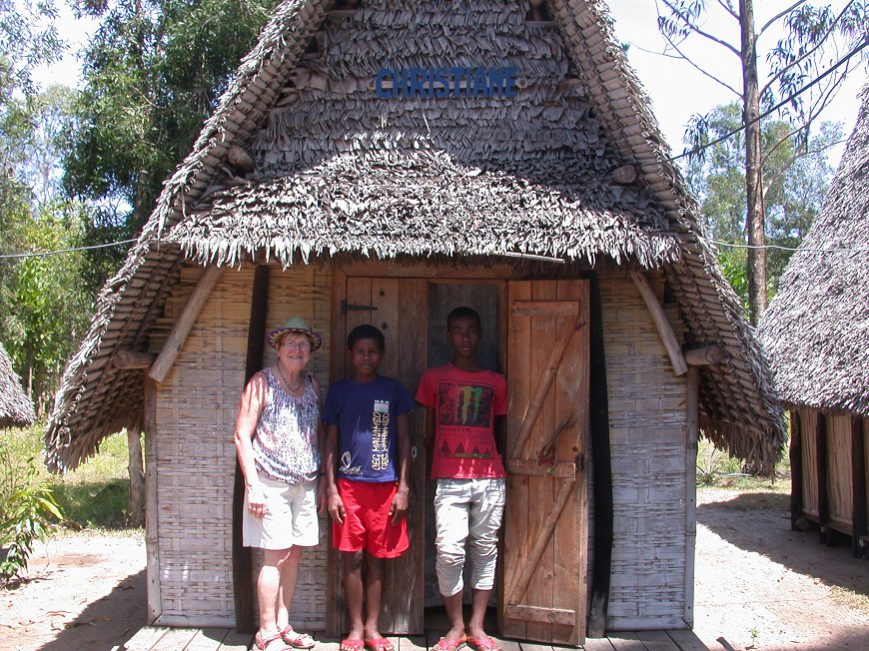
point(467, 511)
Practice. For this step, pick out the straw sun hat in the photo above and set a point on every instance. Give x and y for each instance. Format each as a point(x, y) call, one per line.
point(296, 324)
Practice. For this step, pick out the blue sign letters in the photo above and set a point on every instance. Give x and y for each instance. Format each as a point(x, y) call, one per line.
point(427, 83)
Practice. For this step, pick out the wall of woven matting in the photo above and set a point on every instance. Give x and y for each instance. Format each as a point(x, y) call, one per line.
point(196, 409)
point(648, 430)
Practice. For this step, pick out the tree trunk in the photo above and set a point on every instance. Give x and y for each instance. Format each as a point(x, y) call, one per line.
point(754, 220)
point(136, 506)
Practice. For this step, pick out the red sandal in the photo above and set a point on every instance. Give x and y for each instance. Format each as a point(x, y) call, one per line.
point(296, 640)
point(269, 643)
point(379, 644)
point(484, 644)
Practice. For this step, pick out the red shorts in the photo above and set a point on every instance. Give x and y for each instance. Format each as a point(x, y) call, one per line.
point(366, 521)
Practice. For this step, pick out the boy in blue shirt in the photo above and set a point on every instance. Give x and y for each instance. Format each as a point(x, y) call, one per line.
point(367, 460)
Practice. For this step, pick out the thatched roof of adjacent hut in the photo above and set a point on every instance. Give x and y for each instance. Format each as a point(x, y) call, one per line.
point(816, 329)
point(16, 409)
point(335, 170)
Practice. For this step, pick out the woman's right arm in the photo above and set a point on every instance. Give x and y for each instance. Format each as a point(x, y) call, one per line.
point(249, 409)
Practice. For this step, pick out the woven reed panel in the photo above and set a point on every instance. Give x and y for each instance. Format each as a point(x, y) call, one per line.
point(196, 410)
point(808, 427)
point(840, 476)
point(648, 430)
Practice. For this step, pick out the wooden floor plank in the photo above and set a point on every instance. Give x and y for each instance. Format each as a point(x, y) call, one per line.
point(145, 638)
point(657, 641)
point(626, 641)
point(509, 645)
point(535, 646)
point(207, 639)
point(598, 644)
point(687, 640)
point(327, 643)
point(235, 641)
point(412, 643)
point(174, 639)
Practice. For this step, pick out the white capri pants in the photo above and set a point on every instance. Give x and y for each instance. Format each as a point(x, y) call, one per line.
point(467, 510)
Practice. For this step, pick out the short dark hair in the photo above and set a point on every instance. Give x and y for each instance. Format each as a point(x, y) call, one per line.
point(464, 312)
point(366, 331)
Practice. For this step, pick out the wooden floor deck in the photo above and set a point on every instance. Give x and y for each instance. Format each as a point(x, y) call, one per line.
point(154, 638)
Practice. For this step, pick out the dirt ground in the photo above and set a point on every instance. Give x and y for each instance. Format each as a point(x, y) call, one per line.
point(758, 586)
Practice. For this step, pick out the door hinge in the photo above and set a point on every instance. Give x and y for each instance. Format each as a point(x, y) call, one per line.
point(349, 307)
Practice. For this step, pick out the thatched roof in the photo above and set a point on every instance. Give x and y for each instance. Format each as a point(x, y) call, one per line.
point(336, 170)
point(16, 409)
point(816, 330)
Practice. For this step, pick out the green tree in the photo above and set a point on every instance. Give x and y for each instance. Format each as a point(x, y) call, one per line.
point(820, 47)
point(796, 180)
point(152, 74)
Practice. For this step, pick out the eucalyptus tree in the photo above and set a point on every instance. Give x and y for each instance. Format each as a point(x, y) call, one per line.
point(796, 177)
point(819, 47)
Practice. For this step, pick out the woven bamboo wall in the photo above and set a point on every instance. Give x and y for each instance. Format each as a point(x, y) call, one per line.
point(840, 478)
point(808, 428)
point(648, 430)
point(196, 409)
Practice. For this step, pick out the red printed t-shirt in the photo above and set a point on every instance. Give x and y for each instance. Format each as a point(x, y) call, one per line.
point(465, 405)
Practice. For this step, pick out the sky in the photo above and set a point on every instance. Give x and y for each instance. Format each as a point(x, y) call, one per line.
point(677, 90)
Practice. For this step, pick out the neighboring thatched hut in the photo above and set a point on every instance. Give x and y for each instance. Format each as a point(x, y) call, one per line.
point(383, 164)
point(816, 332)
point(16, 409)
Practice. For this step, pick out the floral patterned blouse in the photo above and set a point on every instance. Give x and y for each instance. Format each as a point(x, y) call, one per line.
point(285, 444)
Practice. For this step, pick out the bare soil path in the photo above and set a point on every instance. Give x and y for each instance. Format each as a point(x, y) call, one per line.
point(758, 586)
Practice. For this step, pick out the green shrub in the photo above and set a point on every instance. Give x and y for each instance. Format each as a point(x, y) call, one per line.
point(27, 507)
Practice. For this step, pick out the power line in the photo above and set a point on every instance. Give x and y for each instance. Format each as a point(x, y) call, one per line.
point(45, 254)
point(790, 248)
point(775, 108)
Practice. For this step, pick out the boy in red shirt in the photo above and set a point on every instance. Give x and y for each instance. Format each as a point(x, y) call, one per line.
point(462, 402)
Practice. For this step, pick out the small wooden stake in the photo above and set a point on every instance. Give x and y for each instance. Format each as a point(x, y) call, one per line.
point(668, 337)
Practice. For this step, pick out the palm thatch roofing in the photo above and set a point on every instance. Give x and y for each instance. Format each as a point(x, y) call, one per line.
point(16, 409)
point(816, 329)
point(337, 171)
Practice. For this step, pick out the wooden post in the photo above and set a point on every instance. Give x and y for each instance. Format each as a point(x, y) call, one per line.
point(242, 559)
point(796, 457)
point(821, 468)
point(602, 468)
point(692, 432)
point(665, 330)
point(152, 549)
point(858, 475)
point(163, 364)
point(136, 504)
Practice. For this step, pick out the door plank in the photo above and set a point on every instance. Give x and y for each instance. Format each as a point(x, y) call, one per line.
point(544, 534)
point(548, 615)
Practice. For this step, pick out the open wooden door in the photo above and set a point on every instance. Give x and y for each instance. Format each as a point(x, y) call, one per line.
point(399, 307)
point(546, 516)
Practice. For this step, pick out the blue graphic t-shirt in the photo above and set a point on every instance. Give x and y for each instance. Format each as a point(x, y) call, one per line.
point(366, 416)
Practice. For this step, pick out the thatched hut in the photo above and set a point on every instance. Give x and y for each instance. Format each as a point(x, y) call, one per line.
point(16, 409)
point(816, 332)
point(383, 163)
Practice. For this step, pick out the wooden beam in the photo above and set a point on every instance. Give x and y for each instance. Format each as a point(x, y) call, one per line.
point(132, 360)
point(692, 432)
point(858, 483)
point(242, 559)
point(165, 360)
point(796, 457)
point(136, 470)
point(599, 427)
point(708, 356)
point(152, 515)
point(668, 337)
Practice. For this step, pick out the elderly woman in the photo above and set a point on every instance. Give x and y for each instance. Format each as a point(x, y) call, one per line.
point(276, 437)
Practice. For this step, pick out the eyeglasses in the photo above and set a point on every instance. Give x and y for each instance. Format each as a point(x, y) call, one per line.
point(297, 345)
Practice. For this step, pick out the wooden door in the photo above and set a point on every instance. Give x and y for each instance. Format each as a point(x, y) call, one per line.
point(399, 307)
point(545, 523)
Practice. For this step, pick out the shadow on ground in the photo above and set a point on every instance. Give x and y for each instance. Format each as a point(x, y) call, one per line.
point(760, 522)
point(107, 622)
